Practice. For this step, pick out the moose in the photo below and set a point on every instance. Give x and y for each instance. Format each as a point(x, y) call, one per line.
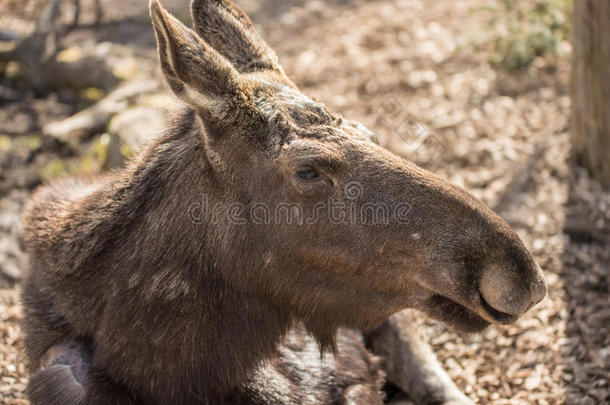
point(131, 300)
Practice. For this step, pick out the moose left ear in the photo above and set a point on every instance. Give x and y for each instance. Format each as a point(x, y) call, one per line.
point(196, 72)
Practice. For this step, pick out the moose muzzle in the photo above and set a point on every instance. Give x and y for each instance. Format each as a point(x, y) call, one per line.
point(506, 295)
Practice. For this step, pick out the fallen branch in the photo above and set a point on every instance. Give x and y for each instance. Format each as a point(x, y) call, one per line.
point(95, 118)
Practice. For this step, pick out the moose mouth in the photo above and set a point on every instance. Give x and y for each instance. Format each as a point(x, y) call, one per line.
point(461, 318)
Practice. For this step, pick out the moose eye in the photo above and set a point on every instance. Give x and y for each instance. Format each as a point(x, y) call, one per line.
point(308, 174)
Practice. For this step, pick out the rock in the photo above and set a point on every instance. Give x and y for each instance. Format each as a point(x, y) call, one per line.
point(100, 65)
point(114, 157)
point(130, 130)
point(10, 268)
point(12, 257)
point(89, 71)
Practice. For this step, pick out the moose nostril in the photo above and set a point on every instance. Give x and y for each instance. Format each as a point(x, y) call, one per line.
point(499, 316)
point(504, 291)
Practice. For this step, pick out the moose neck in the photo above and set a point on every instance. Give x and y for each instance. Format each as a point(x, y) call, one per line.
point(226, 329)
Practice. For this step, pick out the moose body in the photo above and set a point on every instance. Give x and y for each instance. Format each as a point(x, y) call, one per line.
point(181, 312)
point(164, 306)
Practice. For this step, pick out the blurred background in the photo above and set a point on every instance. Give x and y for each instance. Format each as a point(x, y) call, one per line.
point(478, 91)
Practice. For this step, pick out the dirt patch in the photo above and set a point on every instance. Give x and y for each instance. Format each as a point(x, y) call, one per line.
point(408, 70)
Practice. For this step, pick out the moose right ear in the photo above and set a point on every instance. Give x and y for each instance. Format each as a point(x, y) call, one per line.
point(226, 28)
point(196, 72)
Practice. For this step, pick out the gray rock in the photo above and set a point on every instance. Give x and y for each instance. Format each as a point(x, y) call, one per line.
point(13, 260)
point(132, 129)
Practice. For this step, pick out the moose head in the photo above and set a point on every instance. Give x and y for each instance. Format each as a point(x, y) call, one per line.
point(333, 228)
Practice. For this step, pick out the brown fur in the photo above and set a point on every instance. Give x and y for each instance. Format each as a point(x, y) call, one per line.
point(187, 311)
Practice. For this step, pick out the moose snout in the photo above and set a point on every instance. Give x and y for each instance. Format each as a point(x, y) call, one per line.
point(506, 295)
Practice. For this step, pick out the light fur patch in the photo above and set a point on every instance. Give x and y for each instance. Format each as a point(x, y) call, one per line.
point(285, 96)
point(215, 105)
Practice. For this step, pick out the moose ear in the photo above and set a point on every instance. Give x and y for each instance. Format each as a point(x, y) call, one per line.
point(232, 33)
point(196, 72)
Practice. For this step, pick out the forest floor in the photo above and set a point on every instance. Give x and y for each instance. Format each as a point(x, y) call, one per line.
point(393, 65)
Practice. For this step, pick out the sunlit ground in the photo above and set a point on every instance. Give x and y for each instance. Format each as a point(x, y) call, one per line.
point(420, 74)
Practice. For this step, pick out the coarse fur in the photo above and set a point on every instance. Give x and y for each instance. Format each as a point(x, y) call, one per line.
point(181, 292)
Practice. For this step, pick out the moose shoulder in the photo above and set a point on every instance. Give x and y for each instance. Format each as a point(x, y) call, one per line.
point(168, 307)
